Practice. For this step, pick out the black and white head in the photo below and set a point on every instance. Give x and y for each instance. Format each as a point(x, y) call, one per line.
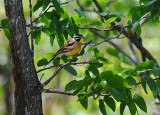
point(78, 37)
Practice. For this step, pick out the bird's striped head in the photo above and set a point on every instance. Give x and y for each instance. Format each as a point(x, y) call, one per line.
point(78, 37)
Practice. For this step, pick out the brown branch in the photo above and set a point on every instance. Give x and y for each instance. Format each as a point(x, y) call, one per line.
point(64, 65)
point(93, 28)
point(133, 37)
point(41, 14)
point(116, 46)
point(85, 9)
point(69, 64)
point(67, 93)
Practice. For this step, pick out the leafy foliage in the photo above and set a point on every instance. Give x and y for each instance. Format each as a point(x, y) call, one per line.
point(99, 79)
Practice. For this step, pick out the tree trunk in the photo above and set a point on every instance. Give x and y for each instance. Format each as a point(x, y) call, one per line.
point(27, 97)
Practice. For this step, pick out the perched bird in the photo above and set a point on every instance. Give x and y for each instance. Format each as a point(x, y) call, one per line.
point(70, 48)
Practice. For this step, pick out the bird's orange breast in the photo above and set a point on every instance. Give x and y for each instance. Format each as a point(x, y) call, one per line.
point(76, 49)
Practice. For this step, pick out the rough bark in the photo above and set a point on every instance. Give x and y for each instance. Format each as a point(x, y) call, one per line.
point(27, 97)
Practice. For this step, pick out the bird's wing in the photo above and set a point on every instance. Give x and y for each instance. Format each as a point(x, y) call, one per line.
point(67, 47)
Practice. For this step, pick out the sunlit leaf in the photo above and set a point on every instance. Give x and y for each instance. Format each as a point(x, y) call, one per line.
point(5, 22)
point(111, 20)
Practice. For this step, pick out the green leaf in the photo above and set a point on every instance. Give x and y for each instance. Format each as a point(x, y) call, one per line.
point(38, 4)
point(153, 86)
point(46, 3)
point(42, 62)
point(94, 70)
point(54, 26)
point(112, 80)
point(78, 91)
point(104, 60)
point(145, 66)
point(5, 22)
point(137, 29)
point(137, 15)
point(140, 102)
point(52, 37)
point(156, 71)
point(102, 107)
point(56, 61)
point(122, 107)
point(97, 53)
point(57, 6)
point(144, 85)
point(110, 102)
point(111, 20)
point(132, 11)
point(132, 82)
point(79, 20)
point(84, 101)
point(132, 108)
point(37, 36)
point(103, 14)
point(65, 33)
point(84, 83)
point(115, 93)
point(98, 65)
point(158, 84)
point(80, 12)
point(70, 86)
point(64, 24)
point(76, 28)
point(71, 70)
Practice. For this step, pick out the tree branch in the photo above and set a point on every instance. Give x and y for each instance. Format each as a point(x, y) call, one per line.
point(66, 93)
point(85, 9)
point(116, 46)
point(62, 66)
point(78, 63)
point(74, 57)
point(41, 14)
point(133, 37)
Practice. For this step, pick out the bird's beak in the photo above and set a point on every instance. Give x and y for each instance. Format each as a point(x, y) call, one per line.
point(83, 37)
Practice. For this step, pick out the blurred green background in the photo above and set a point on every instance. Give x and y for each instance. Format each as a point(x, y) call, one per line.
point(55, 104)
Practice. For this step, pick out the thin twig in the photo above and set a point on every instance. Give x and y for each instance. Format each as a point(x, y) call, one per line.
point(85, 9)
point(67, 93)
point(132, 37)
point(41, 77)
point(41, 14)
point(132, 52)
point(96, 28)
point(31, 27)
point(116, 46)
point(74, 57)
point(78, 63)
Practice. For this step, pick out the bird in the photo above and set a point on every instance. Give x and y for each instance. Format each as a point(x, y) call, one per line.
point(70, 48)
